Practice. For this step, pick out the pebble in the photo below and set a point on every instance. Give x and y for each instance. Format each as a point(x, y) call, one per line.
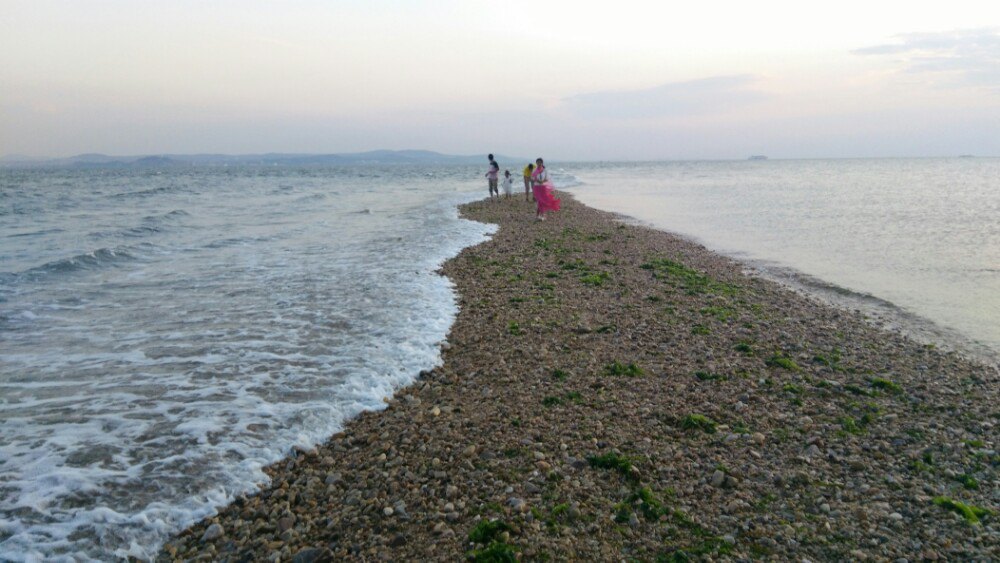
point(313, 555)
point(718, 478)
point(285, 523)
point(213, 532)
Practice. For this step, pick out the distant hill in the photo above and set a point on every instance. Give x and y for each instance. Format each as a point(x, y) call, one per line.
point(92, 160)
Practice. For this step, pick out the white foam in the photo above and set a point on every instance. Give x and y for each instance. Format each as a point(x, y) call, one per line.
point(181, 384)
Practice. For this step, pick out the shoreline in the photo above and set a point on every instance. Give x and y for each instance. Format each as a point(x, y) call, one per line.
point(613, 391)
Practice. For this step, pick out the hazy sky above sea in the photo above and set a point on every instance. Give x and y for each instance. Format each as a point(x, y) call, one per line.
point(568, 80)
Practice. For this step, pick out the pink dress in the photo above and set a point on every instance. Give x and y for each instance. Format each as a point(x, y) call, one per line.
point(544, 194)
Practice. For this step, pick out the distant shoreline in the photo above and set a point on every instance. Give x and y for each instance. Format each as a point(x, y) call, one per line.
point(379, 157)
point(612, 391)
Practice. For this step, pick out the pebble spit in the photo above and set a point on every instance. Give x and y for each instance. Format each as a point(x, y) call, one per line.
point(613, 392)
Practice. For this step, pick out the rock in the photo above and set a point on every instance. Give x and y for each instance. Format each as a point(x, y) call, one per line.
point(718, 478)
point(215, 531)
point(388, 511)
point(517, 504)
point(285, 523)
point(469, 451)
point(313, 555)
point(435, 411)
point(333, 478)
point(812, 450)
point(895, 516)
point(451, 491)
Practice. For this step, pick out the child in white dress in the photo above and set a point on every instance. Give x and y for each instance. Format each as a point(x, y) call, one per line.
point(507, 184)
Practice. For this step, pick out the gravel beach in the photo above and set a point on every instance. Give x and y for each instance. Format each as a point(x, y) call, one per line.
point(611, 392)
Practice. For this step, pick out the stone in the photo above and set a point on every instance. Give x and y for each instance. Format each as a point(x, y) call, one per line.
point(313, 555)
point(517, 504)
point(718, 478)
point(285, 523)
point(215, 531)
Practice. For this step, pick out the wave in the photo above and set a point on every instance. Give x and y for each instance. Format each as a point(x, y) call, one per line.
point(36, 233)
point(147, 193)
point(93, 260)
point(563, 179)
point(150, 225)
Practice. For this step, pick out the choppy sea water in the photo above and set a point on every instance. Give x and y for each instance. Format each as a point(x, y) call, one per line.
point(913, 242)
point(164, 334)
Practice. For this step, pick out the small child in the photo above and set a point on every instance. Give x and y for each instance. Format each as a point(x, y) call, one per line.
point(492, 176)
point(508, 183)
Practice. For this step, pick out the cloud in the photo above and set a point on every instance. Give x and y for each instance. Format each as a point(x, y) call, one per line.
point(717, 94)
point(968, 57)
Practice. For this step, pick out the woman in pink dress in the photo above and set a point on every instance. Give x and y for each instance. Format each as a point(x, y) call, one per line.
point(542, 188)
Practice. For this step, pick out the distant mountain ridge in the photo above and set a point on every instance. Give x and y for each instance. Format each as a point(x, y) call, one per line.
point(94, 160)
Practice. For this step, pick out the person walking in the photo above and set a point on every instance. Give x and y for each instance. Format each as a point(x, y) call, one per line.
point(493, 177)
point(527, 180)
point(541, 186)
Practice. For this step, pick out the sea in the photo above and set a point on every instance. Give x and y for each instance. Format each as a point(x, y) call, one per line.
point(914, 244)
point(165, 333)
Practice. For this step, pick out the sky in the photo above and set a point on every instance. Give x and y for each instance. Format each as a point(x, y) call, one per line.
point(623, 80)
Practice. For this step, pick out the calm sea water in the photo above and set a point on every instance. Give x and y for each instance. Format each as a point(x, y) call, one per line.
point(914, 241)
point(166, 334)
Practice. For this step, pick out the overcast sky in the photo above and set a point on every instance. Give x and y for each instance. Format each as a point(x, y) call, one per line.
point(571, 80)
